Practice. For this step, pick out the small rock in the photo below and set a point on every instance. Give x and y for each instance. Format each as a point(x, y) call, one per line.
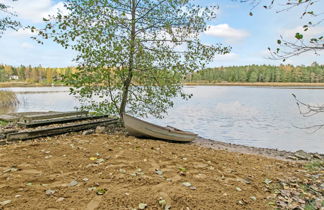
point(158, 172)
point(60, 199)
point(85, 179)
point(92, 188)
point(253, 198)
point(292, 157)
point(238, 189)
point(73, 183)
point(167, 207)
point(267, 181)
point(193, 188)
point(13, 169)
point(17, 196)
point(240, 202)
point(29, 184)
point(3, 203)
point(317, 156)
point(50, 192)
point(200, 176)
point(99, 161)
point(100, 129)
point(142, 205)
point(87, 132)
point(123, 171)
point(187, 184)
point(162, 202)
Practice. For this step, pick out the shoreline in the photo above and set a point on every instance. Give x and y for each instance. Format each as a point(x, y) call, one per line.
point(247, 84)
point(257, 84)
point(299, 155)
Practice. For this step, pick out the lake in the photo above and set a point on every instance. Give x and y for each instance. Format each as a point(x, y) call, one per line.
point(253, 116)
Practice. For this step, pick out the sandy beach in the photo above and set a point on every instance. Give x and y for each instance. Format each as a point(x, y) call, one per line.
point(114, 171)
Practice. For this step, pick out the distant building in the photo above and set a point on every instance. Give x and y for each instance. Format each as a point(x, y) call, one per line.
point(14, 77)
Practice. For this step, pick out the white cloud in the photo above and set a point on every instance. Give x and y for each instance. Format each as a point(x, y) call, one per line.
point(26, 45)
point(228, 33)
point(22, 32)
point(227, 57)
point(34, 10)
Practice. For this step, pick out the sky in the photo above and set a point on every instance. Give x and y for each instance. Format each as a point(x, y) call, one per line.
point(249, 36)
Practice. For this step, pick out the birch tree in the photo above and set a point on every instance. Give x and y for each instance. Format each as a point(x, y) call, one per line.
point(132, 54)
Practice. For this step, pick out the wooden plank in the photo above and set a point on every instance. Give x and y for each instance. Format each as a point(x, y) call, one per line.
point(58, 121)
point(58, 130)
point(9, 118)
point(51, 116)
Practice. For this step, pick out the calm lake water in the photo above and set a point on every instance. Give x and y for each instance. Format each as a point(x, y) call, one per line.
point(253, 116)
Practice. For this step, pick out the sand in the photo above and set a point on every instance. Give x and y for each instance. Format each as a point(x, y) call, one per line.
point(112, 171)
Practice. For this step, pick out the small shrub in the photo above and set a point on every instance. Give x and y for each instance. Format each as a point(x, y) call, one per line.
point(8, 99)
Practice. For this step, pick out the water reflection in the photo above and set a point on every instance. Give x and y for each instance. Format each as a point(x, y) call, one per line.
point(261, 117)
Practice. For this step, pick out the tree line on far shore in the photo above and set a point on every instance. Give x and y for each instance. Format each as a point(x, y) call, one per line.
point(251, 73)
point(260, 73)
point(31, 74)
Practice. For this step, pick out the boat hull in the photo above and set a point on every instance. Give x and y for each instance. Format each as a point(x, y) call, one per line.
point(140, 128)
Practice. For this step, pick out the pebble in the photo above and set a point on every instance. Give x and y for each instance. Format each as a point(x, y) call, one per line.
point(123, 171)
point(60, 199)
point(100, 130)
point(187, 184)
point(50, 192)
point(158, 172)
point(193, 188)
point(253, 198)
point(101, 160)
point(238, 189)
point(162, 202)
point(73, 183)
point(87, 132)
point(3, 203)
point(17, 196)
point(142, 205)
point(11, 170)
point(85, 179)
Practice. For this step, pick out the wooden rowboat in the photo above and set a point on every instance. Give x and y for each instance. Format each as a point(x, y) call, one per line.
point(140, 128)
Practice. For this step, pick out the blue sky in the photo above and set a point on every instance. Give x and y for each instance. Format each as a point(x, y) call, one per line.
point(248, 36)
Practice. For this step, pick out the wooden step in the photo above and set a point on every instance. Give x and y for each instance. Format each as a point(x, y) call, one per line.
point(58, 130)
point(30, 118)
point(59, 121)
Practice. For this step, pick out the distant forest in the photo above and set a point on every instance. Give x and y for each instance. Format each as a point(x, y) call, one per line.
point(260, 73)
point(252, 73)
point(30, 74)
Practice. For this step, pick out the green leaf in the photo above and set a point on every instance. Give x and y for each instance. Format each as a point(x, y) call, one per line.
point(299, 36)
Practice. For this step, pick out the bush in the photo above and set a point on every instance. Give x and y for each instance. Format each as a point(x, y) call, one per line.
point(8, 99)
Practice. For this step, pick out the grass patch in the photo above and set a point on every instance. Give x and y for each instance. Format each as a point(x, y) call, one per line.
point(8, 99)
point(3, 123)
point(315, 165)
